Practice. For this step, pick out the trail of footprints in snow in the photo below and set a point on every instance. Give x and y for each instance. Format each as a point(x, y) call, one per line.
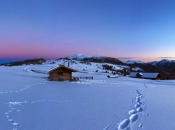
point(12, 108)
point(17, 91)
point(99, 83)
point(133, 114)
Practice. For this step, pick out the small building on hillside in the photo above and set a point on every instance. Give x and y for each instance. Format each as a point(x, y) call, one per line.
point(61, 73)
point(145, 75)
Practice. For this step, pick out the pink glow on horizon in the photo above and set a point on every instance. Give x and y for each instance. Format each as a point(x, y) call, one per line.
point(17, 49)
point(38, 50)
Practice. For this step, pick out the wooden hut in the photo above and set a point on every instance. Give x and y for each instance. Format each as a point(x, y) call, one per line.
point(146, 75)
point(61, 73)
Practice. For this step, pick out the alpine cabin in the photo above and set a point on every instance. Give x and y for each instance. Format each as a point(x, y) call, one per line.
point(144, 75)
point(61, 73)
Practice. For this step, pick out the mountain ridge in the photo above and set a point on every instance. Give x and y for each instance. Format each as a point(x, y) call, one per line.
point(99, 59)
point(165, 67)
point(164, 64)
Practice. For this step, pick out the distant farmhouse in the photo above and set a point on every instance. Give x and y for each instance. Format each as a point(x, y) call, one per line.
point(144, 75)
point(61, 73)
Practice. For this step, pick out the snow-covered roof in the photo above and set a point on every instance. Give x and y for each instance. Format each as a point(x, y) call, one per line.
point(62, 66)
point(113, 76)
point(144, 75)
point(140, 74)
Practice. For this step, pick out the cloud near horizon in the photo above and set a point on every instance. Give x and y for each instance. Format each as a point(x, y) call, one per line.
point(167, 57)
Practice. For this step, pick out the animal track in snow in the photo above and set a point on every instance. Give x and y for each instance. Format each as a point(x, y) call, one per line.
point(98, 83)
point(139, 109)
point(133, 114)
point(124, 124)
point(20, 90)
point(12, 109)
point(133, 118)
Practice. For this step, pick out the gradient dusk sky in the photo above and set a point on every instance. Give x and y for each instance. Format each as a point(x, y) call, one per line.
point(50, 29)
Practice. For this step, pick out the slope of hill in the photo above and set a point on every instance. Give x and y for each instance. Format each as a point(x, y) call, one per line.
point(30, 102)
point(99, 59)
point(164, 64)
point(82, 66)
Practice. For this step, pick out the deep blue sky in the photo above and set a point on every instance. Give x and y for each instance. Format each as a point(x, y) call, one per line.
point(139, 29)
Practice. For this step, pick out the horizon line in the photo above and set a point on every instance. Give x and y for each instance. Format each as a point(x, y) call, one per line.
point(123, 59)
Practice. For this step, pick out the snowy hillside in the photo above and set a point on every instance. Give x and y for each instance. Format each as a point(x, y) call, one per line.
point(100, 64)
point(89, 67)
point(165, 64)
point(30, 102)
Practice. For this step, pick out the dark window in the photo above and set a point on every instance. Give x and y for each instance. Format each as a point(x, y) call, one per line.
point(60, 73)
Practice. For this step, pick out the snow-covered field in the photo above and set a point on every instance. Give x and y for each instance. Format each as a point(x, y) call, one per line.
point(30, 102)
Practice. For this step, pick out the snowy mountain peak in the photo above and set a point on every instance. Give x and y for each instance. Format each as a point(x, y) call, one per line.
point(99, 59)
point(81, 57)
point(134, 62)
point(162, 62)
point(166, 64)
point(165, 61)
point(78, 56)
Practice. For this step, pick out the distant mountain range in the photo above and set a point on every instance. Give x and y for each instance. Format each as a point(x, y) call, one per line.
point(165, 64)
point(99, 59)
point(165, 67)
point(162, 62)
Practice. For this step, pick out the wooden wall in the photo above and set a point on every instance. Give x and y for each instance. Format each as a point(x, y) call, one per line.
point(57, 76)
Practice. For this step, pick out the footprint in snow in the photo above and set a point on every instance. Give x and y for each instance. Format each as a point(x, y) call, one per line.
point(133, 118)
point(16, 124)
point(138, 99)
point(139, 109)
point(11, 120)
point(124, 124)
point(137, 105)
point(133, 114)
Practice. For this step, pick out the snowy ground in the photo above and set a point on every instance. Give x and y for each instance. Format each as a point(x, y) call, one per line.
point(30, 102)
